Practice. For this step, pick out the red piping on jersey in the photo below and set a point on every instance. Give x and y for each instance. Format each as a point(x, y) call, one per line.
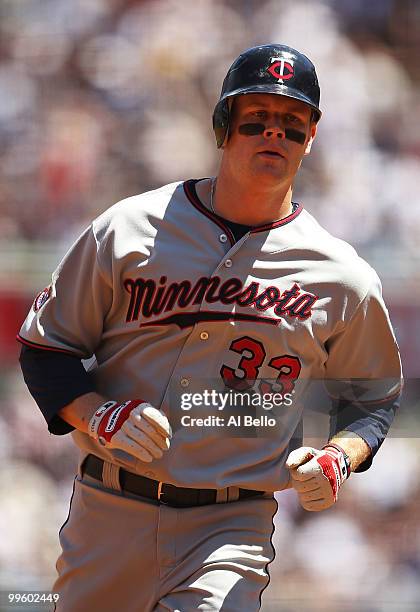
point(280, 222)
point(190, 192)
point(35, 345)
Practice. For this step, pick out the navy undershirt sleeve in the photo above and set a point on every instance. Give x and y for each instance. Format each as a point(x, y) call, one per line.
point(54, 379)
point(371, 421)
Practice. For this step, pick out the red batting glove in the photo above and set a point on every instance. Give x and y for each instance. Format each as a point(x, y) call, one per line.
point(317, 475)
point(133, 426)
point(109, 418)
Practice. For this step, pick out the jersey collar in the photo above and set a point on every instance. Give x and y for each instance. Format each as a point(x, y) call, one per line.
point(191, 193)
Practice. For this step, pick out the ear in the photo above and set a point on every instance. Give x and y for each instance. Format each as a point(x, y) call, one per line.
point(312, 129)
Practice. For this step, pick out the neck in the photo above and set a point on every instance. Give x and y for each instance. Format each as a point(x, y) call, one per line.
point(250, 204)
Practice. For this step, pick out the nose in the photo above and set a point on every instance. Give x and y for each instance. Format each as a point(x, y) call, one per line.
point(274, 132)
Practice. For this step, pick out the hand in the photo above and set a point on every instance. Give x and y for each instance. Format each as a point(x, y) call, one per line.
point(133, 426)
point(317, 475)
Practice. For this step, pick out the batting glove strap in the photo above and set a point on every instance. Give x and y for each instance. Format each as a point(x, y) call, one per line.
point(109, 418)
point(347, 471)
point(334, 467)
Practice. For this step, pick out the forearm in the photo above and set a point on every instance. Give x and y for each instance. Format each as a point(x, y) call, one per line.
point(362, 426)
point(79, 412)
point(355, 447)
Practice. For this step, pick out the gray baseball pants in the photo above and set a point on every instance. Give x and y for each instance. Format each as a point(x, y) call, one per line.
point(120, 552)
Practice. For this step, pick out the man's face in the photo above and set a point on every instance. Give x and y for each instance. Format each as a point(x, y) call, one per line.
point(268, 137)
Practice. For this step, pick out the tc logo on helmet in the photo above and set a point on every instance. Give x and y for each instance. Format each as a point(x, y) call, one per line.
point(281, 69)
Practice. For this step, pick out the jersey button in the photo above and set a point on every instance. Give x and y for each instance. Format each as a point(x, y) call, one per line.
point(228, 263)
point(222, 237)
point(184, 382)
point(204, 335)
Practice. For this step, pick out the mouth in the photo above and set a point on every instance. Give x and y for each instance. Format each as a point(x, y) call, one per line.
point(271, 153)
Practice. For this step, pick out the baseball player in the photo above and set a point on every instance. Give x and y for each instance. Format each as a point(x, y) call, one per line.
point(224, 280)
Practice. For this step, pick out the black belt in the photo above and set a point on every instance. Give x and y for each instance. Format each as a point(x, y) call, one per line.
point(168, 494)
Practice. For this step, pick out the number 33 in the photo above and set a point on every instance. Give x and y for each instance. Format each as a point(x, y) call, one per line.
point(252, 357)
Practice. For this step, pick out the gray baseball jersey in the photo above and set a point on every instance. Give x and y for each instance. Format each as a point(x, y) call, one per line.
point(158, 290)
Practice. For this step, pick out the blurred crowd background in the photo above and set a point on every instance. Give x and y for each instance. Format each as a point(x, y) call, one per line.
point(102, 99)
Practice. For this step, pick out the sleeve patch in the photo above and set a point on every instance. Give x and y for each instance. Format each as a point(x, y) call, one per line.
point(42, 298)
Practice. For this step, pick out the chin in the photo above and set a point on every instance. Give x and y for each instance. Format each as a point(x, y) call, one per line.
point(271, 175)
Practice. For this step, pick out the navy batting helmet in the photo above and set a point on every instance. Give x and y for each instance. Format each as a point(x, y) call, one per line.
point(274, 69)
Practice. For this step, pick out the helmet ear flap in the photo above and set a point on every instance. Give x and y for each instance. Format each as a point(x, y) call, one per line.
point(221, 122)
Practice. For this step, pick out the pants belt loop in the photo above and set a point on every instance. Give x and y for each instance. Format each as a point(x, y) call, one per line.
point(233, 494)
point(80, 466)
point(222, 496)
point(111, 476)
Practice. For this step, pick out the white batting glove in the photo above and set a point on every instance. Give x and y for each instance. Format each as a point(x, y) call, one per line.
point(317, 475)
point(133, 426)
